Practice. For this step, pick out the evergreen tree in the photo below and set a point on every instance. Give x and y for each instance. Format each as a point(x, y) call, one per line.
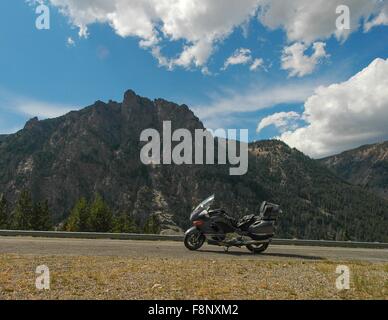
point(101, 215)
point(41, 217)
point(124, 223)
point(4, 222)
point(152, 225)
point(79, 219)
point(23, 213)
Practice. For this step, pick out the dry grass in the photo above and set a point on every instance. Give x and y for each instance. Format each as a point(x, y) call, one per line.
point(156, 278)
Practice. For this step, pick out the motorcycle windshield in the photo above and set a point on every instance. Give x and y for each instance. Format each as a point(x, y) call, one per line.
point(204, 205)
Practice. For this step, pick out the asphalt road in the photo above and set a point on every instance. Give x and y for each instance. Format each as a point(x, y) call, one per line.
point(169, 249)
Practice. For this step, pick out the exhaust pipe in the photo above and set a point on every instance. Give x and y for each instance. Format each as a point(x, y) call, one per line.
point(236, 243)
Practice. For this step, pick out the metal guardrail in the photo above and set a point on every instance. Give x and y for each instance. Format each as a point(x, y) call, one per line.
point(155, 237)
point(328, 243)
point(91, 235)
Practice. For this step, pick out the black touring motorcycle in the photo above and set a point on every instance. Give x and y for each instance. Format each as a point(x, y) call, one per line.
point(253, 231)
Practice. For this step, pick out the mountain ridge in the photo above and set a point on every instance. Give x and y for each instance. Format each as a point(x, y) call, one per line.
point(365, 166)
point(96, 150)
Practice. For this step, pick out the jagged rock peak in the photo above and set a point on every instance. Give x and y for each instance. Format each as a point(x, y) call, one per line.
point(31, 123)
point(131, 98)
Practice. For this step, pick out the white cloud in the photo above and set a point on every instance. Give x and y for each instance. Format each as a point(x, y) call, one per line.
point(240, 56)
point(282, 120)
point(345, 115)
point(308, 21)
point(256, 64)
point(297, 63)
point(31, 107)
point(380, 19)
point(70, 42)
point(243, 56)
point(199, 23)
point(224, 106)
point(40, 109)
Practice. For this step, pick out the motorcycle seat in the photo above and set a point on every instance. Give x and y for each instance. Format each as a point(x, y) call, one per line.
point(233, 222)
point(246, 220)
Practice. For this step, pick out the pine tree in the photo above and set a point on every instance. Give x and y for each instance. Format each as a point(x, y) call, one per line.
point(23, 213)
point(152, 225)
point(124, 223)
point(41, 217)
point(4, 219)
point(101, 215)
point(79, 219)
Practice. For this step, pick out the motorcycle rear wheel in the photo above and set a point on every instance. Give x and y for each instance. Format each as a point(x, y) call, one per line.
point(194, 240)
point(258, 248)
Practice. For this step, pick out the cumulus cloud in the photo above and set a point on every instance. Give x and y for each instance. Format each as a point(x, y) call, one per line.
point(199, 23)
point(308, 21)
point(344, 115)
point(297, 63)
point(243, 56)
point(202, 24)
point(282, 120)
point(240, 56)
point(256, 64)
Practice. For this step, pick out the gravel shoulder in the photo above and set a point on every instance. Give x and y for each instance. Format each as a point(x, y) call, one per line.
point(116, 269)
point(102, 277)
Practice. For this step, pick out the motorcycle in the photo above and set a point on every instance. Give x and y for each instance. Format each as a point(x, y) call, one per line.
point(216, 226)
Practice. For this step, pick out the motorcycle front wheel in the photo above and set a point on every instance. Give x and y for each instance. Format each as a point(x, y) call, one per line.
point(194, 240)
point(258, 248)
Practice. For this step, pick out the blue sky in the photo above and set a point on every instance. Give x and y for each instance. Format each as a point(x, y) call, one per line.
point(44, 73)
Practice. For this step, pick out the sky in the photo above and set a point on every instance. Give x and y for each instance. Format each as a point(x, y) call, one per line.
point(311, 73)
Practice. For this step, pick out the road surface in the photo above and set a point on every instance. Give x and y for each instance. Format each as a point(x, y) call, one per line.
point(170, 249)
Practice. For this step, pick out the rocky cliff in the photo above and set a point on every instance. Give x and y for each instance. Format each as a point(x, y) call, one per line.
point(96, 150)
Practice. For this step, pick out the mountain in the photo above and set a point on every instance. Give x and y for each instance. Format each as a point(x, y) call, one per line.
point(2, 137)
point(96, 150)
point(366, 166)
